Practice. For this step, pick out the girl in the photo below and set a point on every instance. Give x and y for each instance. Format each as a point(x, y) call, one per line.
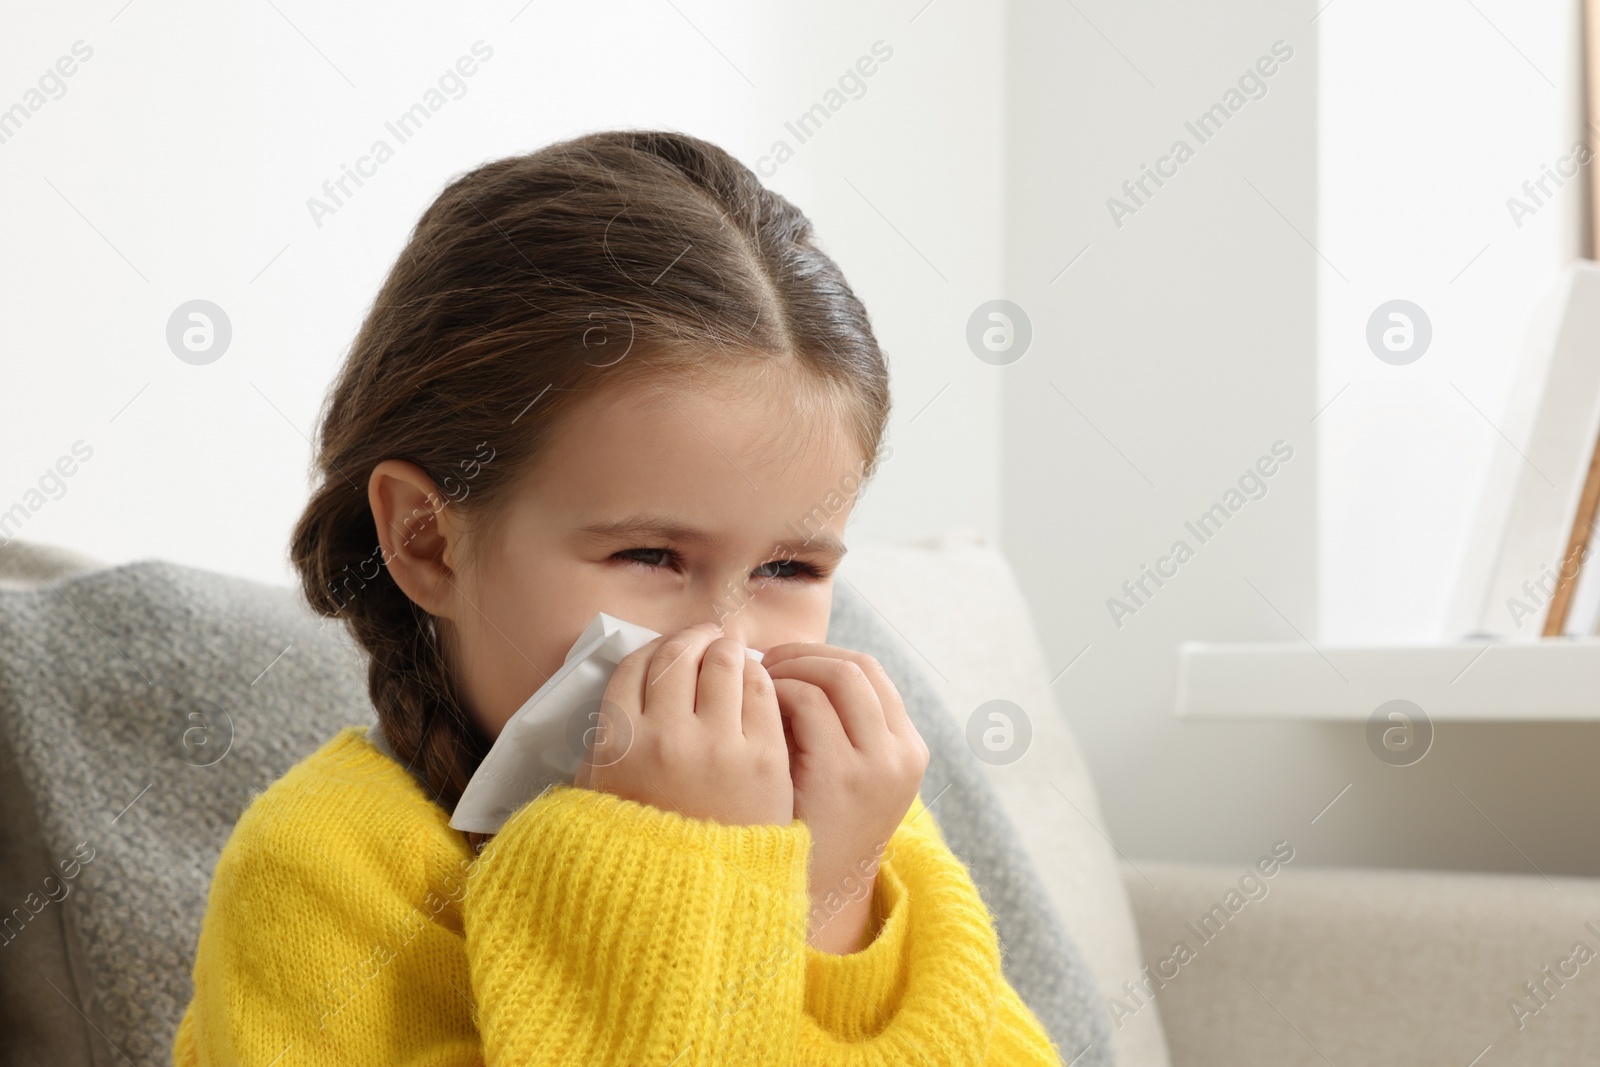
point(613, 375)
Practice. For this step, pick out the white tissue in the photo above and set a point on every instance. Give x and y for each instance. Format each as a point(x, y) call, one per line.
point(542, 743)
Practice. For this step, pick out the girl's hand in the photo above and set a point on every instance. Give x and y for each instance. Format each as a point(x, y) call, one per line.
point(691, 724)
point(856, 762)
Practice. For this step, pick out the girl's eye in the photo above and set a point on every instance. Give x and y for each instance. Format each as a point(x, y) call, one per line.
point(653, 557)
point(778, 570)
point(787, 570)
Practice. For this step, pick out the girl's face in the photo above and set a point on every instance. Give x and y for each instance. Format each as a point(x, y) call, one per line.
point(662, 508)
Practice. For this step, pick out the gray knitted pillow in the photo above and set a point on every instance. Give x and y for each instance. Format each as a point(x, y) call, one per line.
point(143, 706)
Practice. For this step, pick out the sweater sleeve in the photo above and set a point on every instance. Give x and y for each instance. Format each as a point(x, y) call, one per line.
point(600, 930)
point(324, 940)
point(929, 986)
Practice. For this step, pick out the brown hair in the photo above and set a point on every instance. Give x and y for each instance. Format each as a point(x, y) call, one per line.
point(616, 258)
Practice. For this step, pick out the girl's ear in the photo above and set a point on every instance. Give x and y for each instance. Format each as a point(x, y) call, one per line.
point(419, 537)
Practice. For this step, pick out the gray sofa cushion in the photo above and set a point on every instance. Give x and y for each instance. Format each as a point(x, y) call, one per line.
point(142, 707)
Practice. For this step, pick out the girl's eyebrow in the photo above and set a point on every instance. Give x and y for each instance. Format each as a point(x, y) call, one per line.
point(651, 526)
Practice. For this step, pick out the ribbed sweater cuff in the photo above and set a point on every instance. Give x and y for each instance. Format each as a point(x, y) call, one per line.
point(855, 995)
point(930, 980)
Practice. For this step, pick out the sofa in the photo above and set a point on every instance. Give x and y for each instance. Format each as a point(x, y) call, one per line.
point(1296, 966)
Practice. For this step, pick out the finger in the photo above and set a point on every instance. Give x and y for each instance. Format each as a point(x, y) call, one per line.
point(894, 708)
point(788, 733)
point(854, 699)
point(719, 693)
point(674, 673)
point(789, 650)
point(626, 687)
point(760, 717)
point(812, 720)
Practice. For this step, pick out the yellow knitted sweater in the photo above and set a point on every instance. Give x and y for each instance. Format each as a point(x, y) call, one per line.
point(348, 924)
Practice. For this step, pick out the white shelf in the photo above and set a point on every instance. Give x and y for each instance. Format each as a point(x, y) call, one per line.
point(1557, 679)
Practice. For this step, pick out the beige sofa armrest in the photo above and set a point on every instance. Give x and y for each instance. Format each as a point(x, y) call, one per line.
point(1346, 966)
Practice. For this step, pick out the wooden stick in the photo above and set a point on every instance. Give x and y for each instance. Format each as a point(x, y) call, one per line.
point(1571, 561)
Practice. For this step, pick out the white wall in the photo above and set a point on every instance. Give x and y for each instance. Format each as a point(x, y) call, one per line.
point(178, 163)
point(1189, 336)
